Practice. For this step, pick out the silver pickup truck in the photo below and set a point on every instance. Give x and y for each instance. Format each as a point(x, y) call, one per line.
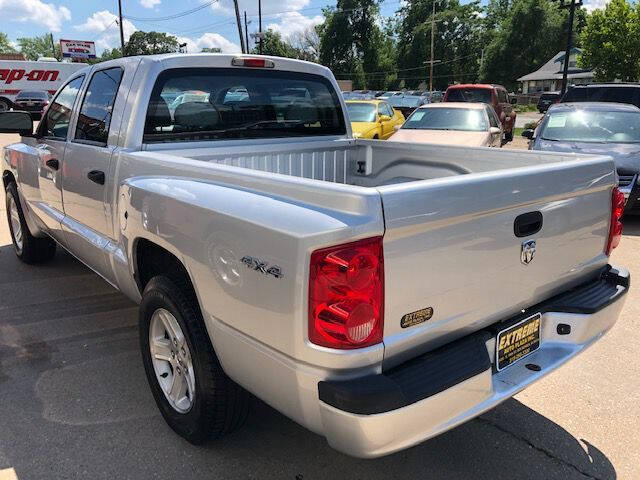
point(377, 293)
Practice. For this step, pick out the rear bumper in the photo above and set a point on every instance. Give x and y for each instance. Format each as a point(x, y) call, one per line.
point(380, 414)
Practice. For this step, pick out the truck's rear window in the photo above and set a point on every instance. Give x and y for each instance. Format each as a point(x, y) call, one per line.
point(482, 95)
point(199, 104)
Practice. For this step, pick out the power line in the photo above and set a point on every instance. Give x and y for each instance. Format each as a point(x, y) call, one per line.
point(173, 16)
point(104, 30)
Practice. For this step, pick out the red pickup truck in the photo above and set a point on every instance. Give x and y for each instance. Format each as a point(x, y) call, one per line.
point(495, 95)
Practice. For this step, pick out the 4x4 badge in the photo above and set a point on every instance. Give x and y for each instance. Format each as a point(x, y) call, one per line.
point(262, 266)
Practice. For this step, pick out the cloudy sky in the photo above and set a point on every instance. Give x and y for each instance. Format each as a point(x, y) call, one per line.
point(212, 25)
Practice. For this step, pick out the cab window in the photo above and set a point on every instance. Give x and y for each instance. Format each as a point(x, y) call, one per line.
point(56, 121)
point(97, 107)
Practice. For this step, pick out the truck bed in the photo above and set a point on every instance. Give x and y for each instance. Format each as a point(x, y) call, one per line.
point(366, 163)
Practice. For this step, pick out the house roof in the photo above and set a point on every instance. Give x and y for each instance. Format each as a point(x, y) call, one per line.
point(552, 70)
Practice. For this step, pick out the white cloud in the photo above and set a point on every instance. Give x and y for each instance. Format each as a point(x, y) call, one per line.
point(35, 11)
point(150, 3)
point(103, 25)
point(293, 22)
point(591, 5)
point(209, 40)
point(283, 16)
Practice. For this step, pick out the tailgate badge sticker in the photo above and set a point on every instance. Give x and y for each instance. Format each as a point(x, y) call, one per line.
point(414, 318)
point(528, 251)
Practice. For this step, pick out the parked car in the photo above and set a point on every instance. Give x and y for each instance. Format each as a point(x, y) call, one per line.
point(436, 96)
point(495, 95)
point(374, 119)
point(547, 99)
point(377, 293)
point(32, 101)
point(390, 93)
point(406, 103)
point(469, 124)
point(604, 92)
point(596, 128)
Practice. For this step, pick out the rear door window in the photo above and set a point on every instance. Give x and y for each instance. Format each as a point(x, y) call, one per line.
point(95, 115)
point(238, 103)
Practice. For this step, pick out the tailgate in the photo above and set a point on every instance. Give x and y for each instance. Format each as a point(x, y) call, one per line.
point(450, 246)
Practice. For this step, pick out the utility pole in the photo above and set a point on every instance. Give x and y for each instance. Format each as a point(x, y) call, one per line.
point(53, 47)
point(246, 31)
point(121, 28)
point(572, 9)
point(433, 31)
point(260, 25)
point(235, 3)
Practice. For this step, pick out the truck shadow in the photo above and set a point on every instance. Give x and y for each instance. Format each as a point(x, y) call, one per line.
point(70, 370)
point(631, 225)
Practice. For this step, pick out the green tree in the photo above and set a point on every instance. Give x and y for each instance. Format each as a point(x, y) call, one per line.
point(530, 34)
point(611, 42)
point(5, 44)
point(354, 46)
point(151, 43)
point(107, 55)
point(458, 37)
point(273, 44)
point(42, 46)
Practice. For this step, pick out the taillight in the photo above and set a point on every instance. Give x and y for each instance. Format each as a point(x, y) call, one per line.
point(615, 228)
point(252, 62)
point(346, 295)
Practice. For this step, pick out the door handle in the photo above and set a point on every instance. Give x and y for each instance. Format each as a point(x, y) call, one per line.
point(53, 164)
point(527, 224)
point(96, 176)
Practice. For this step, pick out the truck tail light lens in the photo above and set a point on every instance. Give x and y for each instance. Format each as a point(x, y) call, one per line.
point(615, 228)
point(346, 295)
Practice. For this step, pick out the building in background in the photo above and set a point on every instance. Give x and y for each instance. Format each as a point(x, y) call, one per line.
point(548, 78)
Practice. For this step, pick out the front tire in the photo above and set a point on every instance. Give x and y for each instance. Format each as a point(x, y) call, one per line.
point(204, 403)
point(29, 249)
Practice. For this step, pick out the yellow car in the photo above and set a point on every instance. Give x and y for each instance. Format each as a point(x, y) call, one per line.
point(373, 118)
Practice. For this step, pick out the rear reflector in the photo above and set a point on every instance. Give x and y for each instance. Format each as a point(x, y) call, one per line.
point(615, 227)
point(252, 62)
point(346, 295)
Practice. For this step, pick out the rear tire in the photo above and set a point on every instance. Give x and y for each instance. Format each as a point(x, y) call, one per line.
point(5, 106)
point(29, 249)
point(211, 404)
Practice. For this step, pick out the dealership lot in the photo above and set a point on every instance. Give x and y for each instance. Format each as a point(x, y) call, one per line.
point(74, 401)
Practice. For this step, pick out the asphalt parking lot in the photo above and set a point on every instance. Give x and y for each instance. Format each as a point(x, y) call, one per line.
point(74, 401)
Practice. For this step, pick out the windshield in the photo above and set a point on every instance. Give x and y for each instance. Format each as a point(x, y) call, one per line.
point(400, 101)
point(361, 112)
point(482, 95)
point(24, 94)
point(197, 104)
point(592, 126)
point(465, 119)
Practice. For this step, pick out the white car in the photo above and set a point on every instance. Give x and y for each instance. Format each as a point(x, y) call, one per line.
point(452, 123)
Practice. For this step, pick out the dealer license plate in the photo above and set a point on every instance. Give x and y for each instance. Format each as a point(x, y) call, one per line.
point(518, 341)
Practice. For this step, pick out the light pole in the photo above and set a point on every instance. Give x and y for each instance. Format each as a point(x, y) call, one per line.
point(572, 9)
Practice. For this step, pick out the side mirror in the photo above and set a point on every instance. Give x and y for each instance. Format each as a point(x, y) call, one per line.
point(16, 122)
point(384, 118)
point(513, 101)
point(494, 131)
point(528, 133)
